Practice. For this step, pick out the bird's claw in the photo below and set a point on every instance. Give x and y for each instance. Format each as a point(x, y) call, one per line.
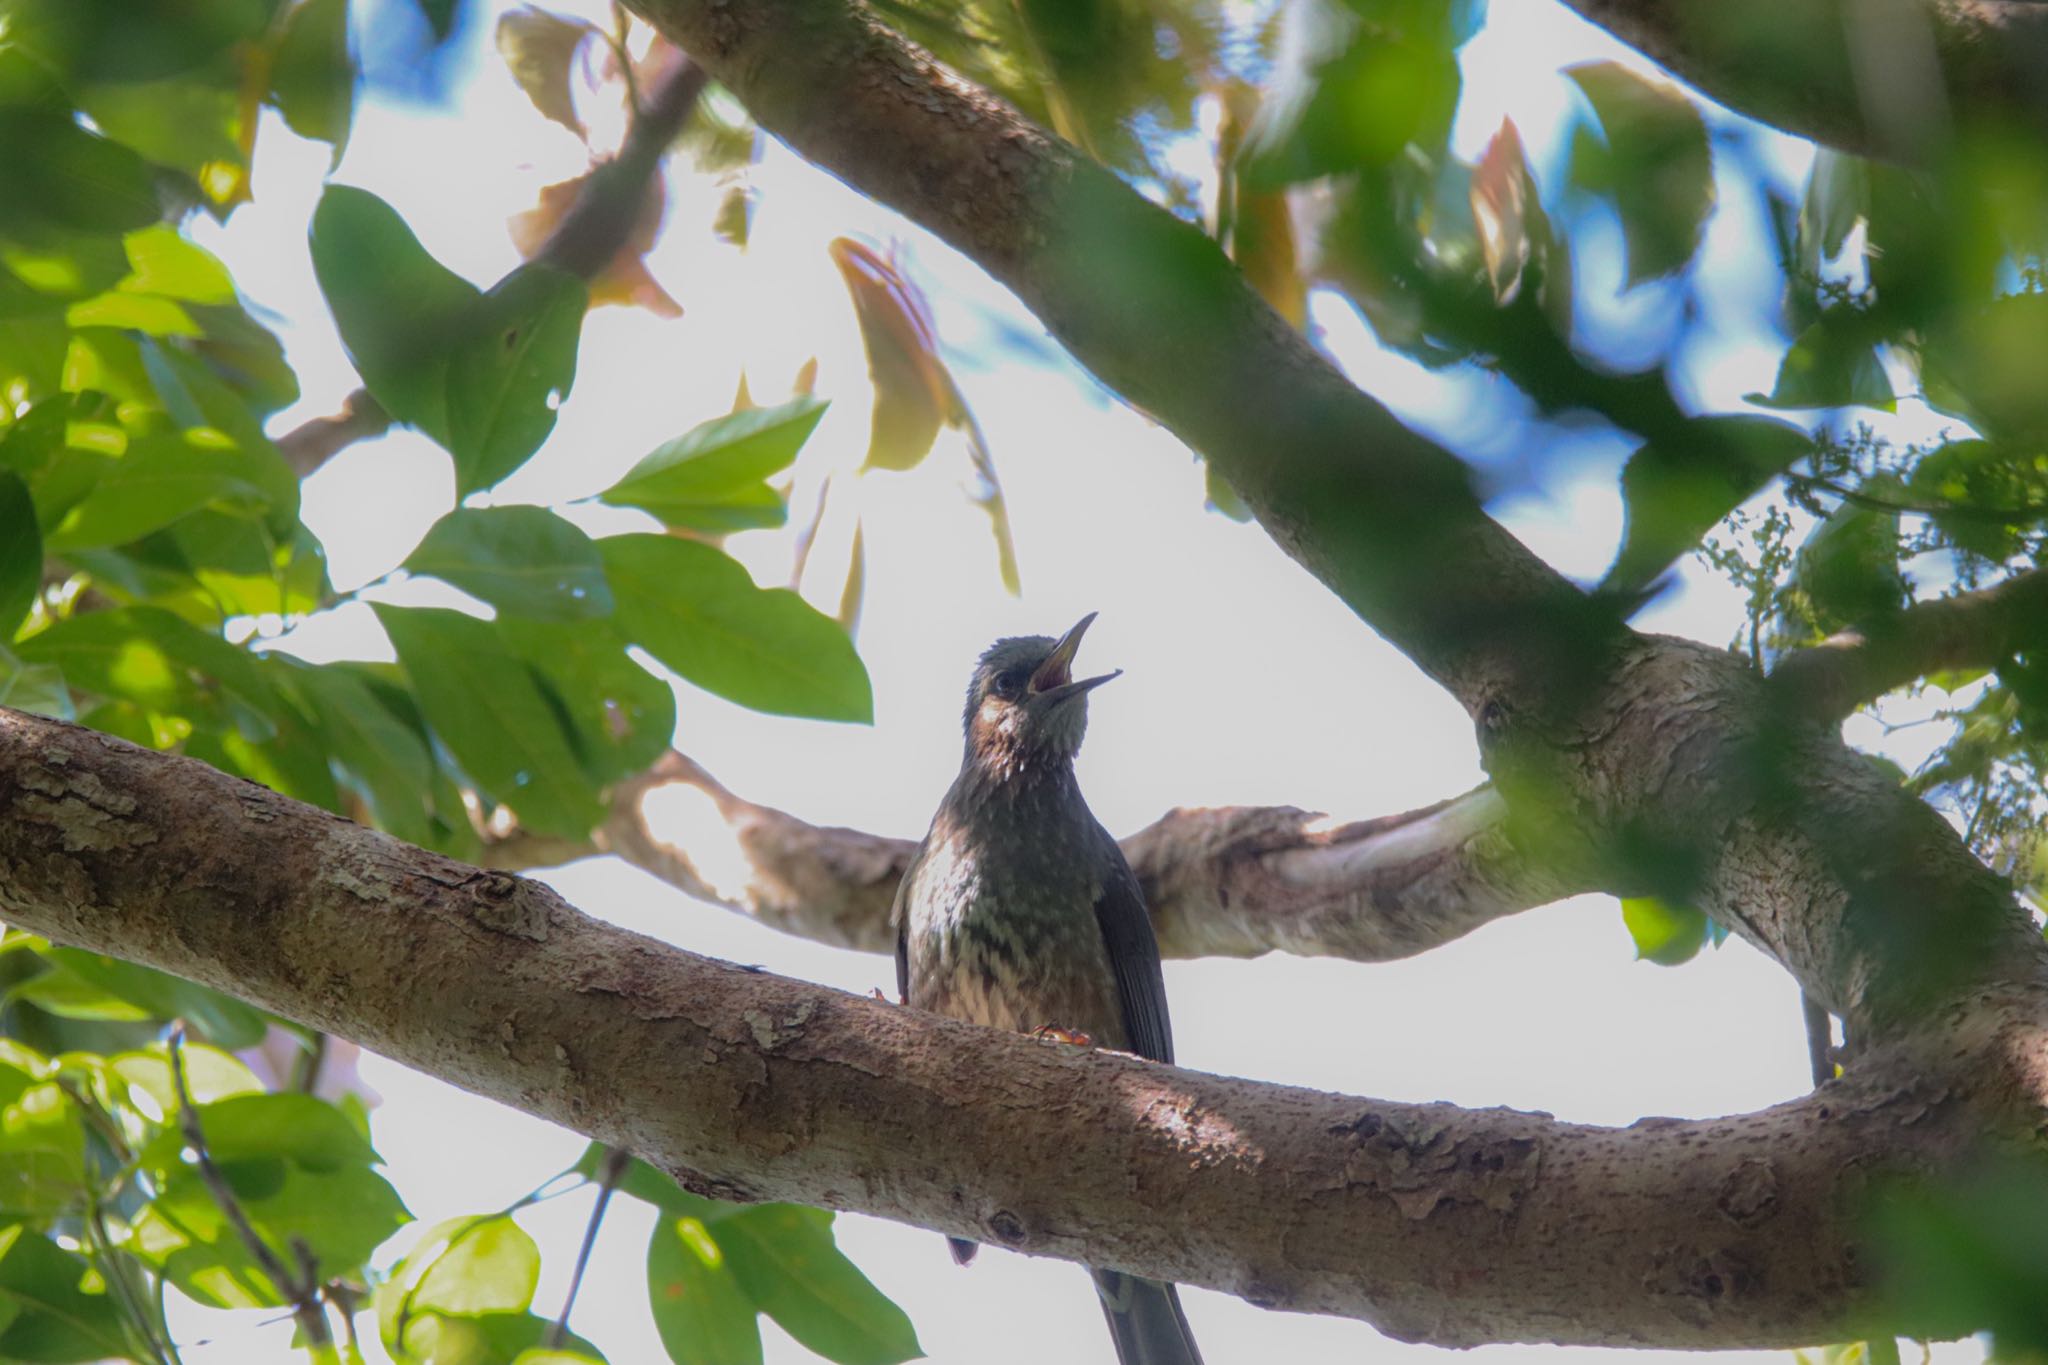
point(1053, 1033)
point(876, 992)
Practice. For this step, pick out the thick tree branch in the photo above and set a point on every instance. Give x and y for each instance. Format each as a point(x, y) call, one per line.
point(1435, 1223)
point(1150, 304)
point(1968, 630)
point(1884, 78)
point(594, 229)
point(1230, 882)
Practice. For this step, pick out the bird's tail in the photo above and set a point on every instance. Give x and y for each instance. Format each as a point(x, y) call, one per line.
point(1146, 1320)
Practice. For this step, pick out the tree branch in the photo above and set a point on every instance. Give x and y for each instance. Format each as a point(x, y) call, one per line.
point(1435, 1223)
point(1968, 630)
point(594, 229)
point(1883, 78)
point(1231, 882)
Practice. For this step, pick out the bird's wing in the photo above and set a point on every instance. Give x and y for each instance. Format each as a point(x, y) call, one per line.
point(1133, 955)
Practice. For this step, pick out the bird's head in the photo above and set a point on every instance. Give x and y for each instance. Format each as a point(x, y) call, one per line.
point(1025, 709)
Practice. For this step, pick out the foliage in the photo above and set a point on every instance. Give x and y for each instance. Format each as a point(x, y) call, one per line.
point(154, 562)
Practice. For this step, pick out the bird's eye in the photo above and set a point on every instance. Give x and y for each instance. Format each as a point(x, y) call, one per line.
point(1010, 683)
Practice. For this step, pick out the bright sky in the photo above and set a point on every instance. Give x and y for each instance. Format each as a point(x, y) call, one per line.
point(1246, 682)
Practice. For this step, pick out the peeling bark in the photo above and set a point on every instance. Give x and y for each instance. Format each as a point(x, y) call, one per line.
point(1434, 1223)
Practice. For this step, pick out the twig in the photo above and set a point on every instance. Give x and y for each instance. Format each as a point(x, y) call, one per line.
point(115, 1273)
point(596, 226)
point(303, 1290)
point(615, 1162)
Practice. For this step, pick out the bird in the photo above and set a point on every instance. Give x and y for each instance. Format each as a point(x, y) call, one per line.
point(1019, 911)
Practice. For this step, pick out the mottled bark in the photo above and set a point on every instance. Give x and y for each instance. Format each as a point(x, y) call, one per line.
point(1436, 1224)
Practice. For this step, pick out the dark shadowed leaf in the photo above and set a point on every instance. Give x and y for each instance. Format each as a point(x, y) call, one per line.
point(1656, 165)
point(398, 309)
point(486, 707)
point(1676, 490)
point(713, 477)
point(523, 560)
point(695, 609)
point(160, 479)
point(644, 1183)
point(61, 176)
point(1833, 364)
point(380, 756)
point(312, 77)
point(513, 362)
point(702, 1313)
point(21, 553)
point(1837, 196)
point(786, 1260)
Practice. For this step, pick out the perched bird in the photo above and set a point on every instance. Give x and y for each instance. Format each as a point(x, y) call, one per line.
point(1019, 910)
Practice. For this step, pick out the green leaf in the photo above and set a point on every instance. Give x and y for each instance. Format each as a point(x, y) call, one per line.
point(1678, 489)
point(119, 40)
point(493, 717)
point(1359, 94)
point(222, 1019)
point(522, 560)
point(210, 1074)
point(484, 1339)
point(465, 1267)
point(398, 309)
point(63, 176)
point(703, 1315)
point(1833, 364)
point(620, 717)
point(21, 553)
point(1664, 933)
point(650, 1186)
point(299, 1169)
point(312, 78)
point(697, 611)
point(63, 265)
point(38, 688)
point(55, 1318)
point(342, 1215)
point(381, 756)
point(42, 1154)
point(1657, 165)
point(513, 361)
point(159, 479)
point(1849, 566)
point(712, 478)
point(168, 265)
point(784, 1257)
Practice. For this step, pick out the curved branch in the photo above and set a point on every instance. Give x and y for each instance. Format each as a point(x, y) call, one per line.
point(1883, 78)
point(594, 229)
point(1150, 304)
point(1231, 882)
point(1968, 630)
point(1435, 1223)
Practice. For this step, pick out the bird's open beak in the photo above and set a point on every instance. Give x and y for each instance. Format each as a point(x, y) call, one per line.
point(1054, 679)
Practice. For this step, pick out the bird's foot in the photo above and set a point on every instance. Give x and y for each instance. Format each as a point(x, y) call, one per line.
point(876, 992)
point(1053, 1033)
